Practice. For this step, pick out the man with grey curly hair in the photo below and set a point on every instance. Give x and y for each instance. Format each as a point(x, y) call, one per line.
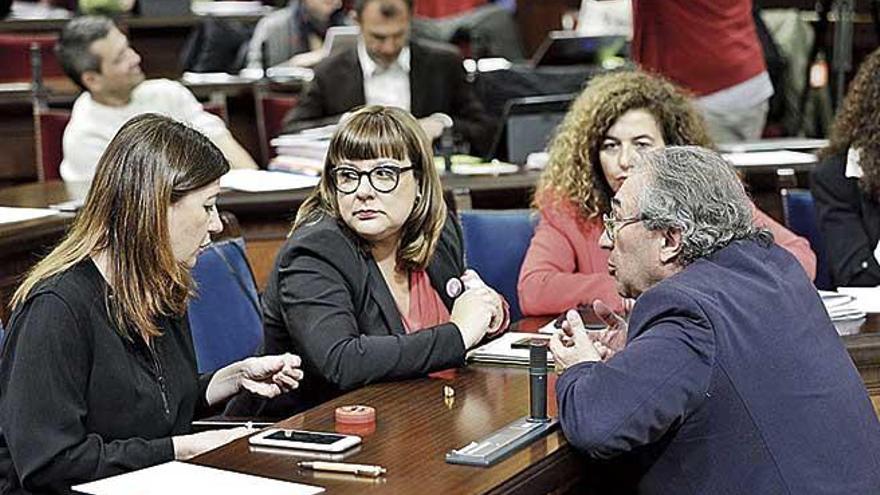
point(731, 377)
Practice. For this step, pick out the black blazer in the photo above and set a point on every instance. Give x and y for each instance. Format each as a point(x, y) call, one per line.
point(326, 301)
point(849, 221)
point(437, 84)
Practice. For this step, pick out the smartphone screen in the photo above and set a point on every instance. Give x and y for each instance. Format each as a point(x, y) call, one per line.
point(304, 437)
point(525, 342)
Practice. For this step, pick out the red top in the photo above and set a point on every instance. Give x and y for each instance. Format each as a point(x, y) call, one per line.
point(444, 8)
point(426, 309)
point(565, 267)
point(703, 45)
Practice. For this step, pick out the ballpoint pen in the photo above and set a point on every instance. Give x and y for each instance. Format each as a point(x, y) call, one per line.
point(344, 467)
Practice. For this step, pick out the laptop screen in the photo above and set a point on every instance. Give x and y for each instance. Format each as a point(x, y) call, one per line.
point(529, 123)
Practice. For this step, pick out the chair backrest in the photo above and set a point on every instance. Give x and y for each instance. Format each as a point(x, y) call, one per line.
point(16, 56)
point(271, 109)
point(49, 126)
point(217, 108)
point(495, 244)
point(800, 217)
point(225, 316)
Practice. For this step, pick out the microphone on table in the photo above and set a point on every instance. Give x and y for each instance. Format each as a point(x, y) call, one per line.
point(538, 381)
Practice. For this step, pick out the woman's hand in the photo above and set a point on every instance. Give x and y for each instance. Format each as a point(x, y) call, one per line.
point(270, 376)
point(188, 446)
point(472, 313)
point(500, 311)
point(266, 376)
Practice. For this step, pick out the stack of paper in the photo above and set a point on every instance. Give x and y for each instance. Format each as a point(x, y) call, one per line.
point(304, 152)
point(500, 350)
point(262, 180)
point(182, 477)
point(841, 307)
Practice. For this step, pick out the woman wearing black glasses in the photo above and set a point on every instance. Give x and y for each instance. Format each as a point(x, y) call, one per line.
point(360, 287)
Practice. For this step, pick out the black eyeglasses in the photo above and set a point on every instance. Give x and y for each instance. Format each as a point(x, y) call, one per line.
point(613, 224)
point(383, 178)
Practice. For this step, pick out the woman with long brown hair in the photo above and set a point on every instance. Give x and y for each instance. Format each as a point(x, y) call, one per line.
point(616, 116)
point(846, 184)
point(359, 290)
point(98, 372)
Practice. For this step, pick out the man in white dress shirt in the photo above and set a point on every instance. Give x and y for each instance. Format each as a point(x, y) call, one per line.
point(389, 68)
point(97, 56)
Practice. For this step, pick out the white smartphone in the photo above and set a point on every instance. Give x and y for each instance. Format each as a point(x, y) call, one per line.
point(305, 440)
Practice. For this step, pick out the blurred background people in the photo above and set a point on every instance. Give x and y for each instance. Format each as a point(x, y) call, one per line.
point(711, 48)
point(294, 34)
point(389, 68)
point(97, 57)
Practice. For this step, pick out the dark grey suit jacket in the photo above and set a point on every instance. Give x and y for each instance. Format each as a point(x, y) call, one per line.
point(849, 221)
point(437, 84)
point(326, 301)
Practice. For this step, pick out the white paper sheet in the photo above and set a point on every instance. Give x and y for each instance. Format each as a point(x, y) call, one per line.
point(867, 298)
point(182, 477)
point(770, 158)
point(9, 214)
point(263, 180)
point(499, 351)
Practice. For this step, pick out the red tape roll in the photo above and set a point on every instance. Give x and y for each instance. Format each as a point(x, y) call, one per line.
point(355, 415)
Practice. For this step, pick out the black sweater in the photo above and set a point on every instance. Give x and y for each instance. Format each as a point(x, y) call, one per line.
point(79, 402)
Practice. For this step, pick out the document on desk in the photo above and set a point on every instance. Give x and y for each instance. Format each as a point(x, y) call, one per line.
point(501, 350)
point(264, 180)
point(770, 158)
point(183, 477)
point(867, 299)
point(10, 214)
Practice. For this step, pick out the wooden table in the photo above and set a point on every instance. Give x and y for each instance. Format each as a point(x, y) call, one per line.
point(414, 430)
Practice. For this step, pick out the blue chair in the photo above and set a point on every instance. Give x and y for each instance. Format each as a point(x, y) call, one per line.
point(225, 316)
point(800, 217)
point(495, 244)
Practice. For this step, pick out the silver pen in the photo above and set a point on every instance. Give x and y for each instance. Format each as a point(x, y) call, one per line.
point(344, 467)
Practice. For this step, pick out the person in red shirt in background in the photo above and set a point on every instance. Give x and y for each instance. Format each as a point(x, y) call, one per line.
point(711, 48)
point(615, 117)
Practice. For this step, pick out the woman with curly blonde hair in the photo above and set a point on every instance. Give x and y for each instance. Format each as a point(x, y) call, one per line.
point(616, 116)
point(846, 184)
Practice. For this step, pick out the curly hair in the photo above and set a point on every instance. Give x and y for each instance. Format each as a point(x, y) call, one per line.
point(574, 172)
point(857, 123)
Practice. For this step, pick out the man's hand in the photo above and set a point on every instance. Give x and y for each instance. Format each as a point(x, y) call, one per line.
point(573, 345)
point(613, 337)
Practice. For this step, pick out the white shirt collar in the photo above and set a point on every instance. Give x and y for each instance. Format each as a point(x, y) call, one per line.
point(853, 168)
point(369, 66)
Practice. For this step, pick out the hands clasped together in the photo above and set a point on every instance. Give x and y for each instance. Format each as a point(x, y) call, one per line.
point(478, 311)
point(575, 344)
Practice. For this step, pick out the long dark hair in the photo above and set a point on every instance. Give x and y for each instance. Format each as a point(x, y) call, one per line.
point(151, 163)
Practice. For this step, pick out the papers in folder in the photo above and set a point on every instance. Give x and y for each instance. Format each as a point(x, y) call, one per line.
point(182, 477)
point(499, 351)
